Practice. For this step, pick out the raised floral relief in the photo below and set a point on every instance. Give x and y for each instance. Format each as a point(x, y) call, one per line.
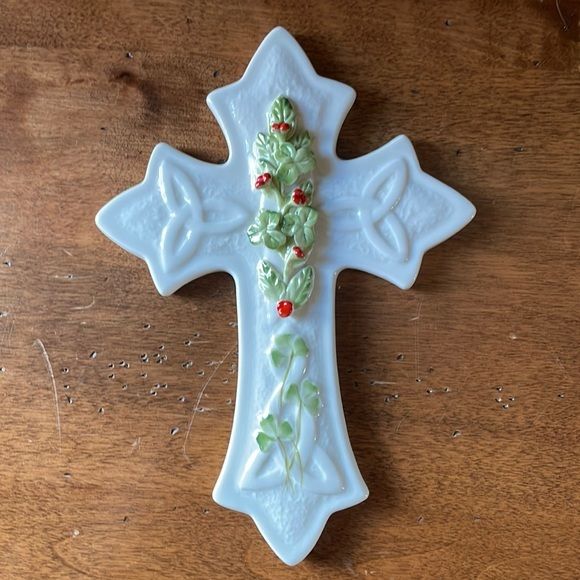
point(283, 158)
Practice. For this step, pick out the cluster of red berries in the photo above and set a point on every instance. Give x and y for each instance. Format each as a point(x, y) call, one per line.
point(280, 127)
point(262, 180)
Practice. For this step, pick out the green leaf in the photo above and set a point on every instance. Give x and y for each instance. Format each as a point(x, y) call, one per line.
point(282, 111)
point(267, 229)
point(264, 441)
point(312, 405)
point(283, 341)
point(299, 347)
point(310, 396)
point(269, 426)
point(300, 224)
point(270, 281)
point(285, 431)
point(292, 393)
point(308, 189)
point(278, 358)
point(302, 139)
point(309, 388)
point(304, 160)
point(284, 152)
point(262, 146)
point(300, 286)
point(282, 349)
point(274, 239)
point(288, 172)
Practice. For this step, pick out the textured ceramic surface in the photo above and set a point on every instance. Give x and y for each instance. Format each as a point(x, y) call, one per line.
point(289, 463)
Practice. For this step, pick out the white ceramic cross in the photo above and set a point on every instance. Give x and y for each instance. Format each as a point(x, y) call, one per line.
point(289, 463)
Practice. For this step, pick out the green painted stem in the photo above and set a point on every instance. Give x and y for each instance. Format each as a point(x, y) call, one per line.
point(285, 378)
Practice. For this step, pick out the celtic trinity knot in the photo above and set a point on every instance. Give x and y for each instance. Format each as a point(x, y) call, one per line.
point(283, 216)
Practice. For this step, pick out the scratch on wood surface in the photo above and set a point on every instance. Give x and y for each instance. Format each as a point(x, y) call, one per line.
point(199, 396)
point(86, 307)
point(561, 16)
point(136, 445)
point(7, 335)
point(40, 344)
point(399, 424)
point(416, 319)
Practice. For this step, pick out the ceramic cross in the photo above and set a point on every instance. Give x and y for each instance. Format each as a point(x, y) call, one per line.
point(284, 215)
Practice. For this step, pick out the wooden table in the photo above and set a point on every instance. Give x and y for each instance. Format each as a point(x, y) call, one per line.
point(461, 395)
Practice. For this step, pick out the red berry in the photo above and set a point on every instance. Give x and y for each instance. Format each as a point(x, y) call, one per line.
point(284, 308)
point(275, 126)
point(299, 197)
point(298, 252)
point(262, 180)
point(283, 127)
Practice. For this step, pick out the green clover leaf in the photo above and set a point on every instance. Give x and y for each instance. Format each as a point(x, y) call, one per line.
point(310, 396)
point(272, 431)
point(269, 425)
point(286, 345)
point(299, 223)
point(292, 393)
point(264, 441)
point(285, 431)
point(267, 230)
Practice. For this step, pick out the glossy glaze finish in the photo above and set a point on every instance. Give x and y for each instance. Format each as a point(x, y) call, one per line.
point(378, 213)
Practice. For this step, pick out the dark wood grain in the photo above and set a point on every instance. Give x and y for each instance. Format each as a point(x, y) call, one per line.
point(461, 394)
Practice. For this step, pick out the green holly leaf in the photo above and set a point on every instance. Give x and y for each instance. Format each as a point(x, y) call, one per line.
point(285, 431)
point(310, 396)
point(301, 140)
point(282, 111)
point(262, 145)
point(300, 286)
point(269, 426)
point(270, 281)
point(283, 152)
point(299, 223)
point(267, 230)
point(288, 172)
point(292, 393)
point(308, 189)
point(264, 441)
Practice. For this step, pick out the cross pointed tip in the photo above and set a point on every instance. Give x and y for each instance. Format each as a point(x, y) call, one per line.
point(294, 549)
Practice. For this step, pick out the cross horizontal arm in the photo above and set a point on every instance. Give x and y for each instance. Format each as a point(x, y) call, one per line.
point(186, 219)
point(383, 213)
